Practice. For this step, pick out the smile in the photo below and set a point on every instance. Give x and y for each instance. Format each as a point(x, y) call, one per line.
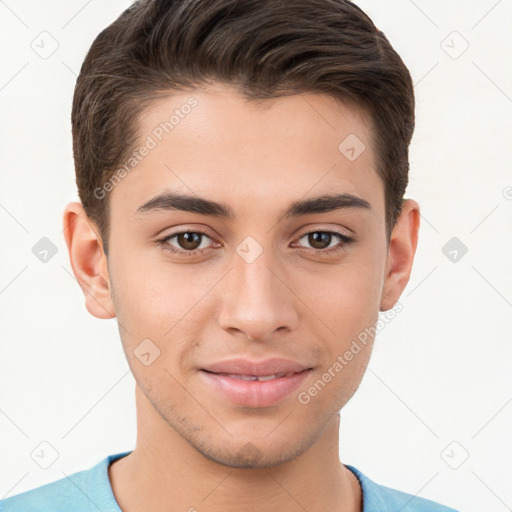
point(254, 390)
point(257, 377)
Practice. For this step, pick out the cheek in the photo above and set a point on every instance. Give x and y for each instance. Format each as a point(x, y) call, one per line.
point(346, 299)
point(163, 303)
point(337, 380)
point(153, 293)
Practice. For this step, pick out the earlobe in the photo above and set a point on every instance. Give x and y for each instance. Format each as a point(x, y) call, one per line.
point(88, 261)
point(402, 248)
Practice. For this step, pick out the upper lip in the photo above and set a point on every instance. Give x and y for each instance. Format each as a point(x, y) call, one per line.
point(258, 368)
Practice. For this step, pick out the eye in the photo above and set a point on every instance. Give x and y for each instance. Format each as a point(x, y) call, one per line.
point(188, 243)
point(321, 241)
point(193, 243)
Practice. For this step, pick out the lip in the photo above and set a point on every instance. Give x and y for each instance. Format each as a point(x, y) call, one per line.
point(221, 376)
point(258, 368)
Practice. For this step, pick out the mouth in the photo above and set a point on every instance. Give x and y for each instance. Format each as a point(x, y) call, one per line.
point(255, 384)
point(261, 378)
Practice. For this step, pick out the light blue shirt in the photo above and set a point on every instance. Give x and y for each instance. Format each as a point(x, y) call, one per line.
point(90, 491)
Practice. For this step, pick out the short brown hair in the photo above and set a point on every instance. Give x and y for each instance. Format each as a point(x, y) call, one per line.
point(266, 48)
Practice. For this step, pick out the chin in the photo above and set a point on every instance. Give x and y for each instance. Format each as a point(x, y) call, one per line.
point(252, 453)
point(249, 456)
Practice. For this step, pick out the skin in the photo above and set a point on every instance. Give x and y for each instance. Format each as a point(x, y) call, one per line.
point(196, 449)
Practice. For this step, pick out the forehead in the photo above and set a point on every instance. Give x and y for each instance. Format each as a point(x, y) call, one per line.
point(215, 143)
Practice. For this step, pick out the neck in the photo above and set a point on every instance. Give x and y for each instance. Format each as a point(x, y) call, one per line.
point(165, 472)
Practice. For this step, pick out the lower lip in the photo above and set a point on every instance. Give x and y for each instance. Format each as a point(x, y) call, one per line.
point(255, 393)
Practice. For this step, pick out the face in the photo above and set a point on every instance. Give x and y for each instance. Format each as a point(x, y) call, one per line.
point(236, 318)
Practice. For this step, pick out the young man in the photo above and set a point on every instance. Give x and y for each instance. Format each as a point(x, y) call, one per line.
point(241, 167)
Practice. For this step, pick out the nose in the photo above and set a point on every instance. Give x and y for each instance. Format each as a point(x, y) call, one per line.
point(258, 299)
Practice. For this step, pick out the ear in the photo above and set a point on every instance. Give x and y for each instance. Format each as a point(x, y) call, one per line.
point(88, 261)
point(401, 250)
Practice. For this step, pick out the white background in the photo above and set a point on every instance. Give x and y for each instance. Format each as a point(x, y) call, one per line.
point(441, 370)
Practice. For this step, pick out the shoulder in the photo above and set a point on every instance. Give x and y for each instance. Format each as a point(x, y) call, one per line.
point(379, 498)
point(83, 491)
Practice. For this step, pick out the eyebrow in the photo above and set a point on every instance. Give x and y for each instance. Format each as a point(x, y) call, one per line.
point(326, 203)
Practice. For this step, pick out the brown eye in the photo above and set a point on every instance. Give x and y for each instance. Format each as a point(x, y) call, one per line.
point(319, 239)
point(189, 241)
point(186, 243)
point(321, 242)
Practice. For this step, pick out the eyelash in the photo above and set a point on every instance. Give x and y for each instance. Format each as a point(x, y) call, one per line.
point(346, 241)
